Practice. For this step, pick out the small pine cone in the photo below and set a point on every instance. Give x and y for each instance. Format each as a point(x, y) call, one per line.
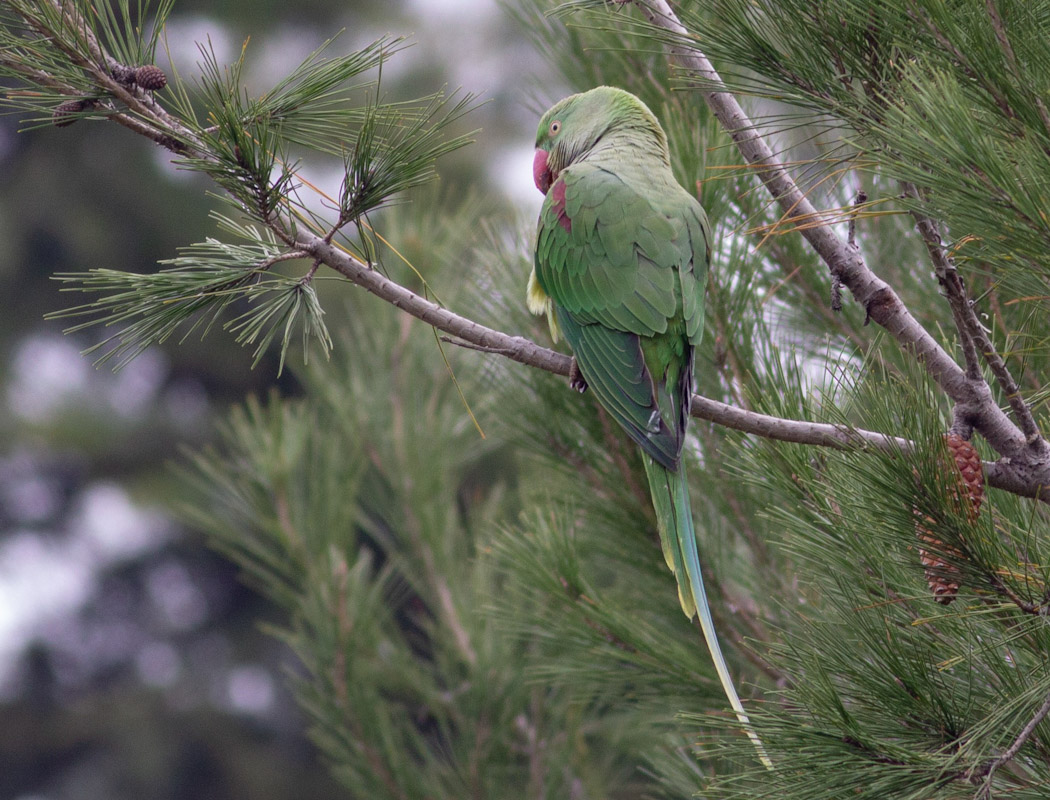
point(122, 74)
point(942, 576)
point(968, 462)
point(151, 77)
point(64, 113)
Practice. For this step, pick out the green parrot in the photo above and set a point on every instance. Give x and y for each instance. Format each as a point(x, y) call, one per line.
point(620, 271)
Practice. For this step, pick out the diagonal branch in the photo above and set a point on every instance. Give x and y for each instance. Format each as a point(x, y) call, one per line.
point(845, 263)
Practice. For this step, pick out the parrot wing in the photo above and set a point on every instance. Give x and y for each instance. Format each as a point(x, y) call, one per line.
point(627, 277)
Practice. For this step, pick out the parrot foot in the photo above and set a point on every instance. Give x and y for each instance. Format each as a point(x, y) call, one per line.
point(576, 380)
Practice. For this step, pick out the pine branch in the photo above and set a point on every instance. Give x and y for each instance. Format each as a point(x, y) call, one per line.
point(101, 67)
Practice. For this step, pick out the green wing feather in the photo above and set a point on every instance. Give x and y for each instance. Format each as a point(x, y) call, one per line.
point(613, 364)
point(625, 262)
point(629, 296)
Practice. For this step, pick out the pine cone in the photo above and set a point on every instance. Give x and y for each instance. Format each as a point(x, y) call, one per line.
point(151, 77)
point(942, 576)
point(64, 113)
point(968, 462)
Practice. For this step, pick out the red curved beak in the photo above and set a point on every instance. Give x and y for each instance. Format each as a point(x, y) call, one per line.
point(541, 174)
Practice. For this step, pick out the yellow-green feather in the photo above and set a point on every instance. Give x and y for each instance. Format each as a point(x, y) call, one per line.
point(540, 304)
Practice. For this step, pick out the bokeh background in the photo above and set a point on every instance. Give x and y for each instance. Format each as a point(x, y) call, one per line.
point(132, 664)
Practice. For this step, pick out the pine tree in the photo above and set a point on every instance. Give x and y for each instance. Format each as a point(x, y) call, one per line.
point(491, 617)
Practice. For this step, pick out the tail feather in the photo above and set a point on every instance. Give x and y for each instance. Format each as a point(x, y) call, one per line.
point(678, 540)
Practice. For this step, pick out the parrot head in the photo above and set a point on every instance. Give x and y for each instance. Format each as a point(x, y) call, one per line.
point(572, 128)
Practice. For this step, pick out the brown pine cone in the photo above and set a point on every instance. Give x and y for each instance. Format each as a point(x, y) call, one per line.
point(151, 77)
point(942, 576)
point(65, 113)
point(968, 462)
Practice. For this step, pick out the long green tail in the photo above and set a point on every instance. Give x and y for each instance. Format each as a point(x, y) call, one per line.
point(674, 518)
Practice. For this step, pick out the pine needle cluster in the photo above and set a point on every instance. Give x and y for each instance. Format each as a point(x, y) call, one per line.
point(329, 107)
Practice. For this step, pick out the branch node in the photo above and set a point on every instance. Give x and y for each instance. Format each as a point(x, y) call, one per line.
point(881, 302)
point(836, 294)
point(851, 236)
point(962, 424)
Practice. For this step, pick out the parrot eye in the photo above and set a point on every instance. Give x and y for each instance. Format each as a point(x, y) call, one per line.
point(555, 127)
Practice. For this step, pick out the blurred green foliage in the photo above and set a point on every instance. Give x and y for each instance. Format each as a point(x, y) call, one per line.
point(91, 721)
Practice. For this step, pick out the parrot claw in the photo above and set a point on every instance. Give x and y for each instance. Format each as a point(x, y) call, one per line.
point(576, 380)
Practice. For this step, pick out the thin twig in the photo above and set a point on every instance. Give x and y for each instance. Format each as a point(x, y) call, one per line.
point(973, 336)
point(851, 240)
point(309, 276)
point(1022, 413)
point(851, 230)
point(291, 255)
point(948, 277)
point(1008, 754)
